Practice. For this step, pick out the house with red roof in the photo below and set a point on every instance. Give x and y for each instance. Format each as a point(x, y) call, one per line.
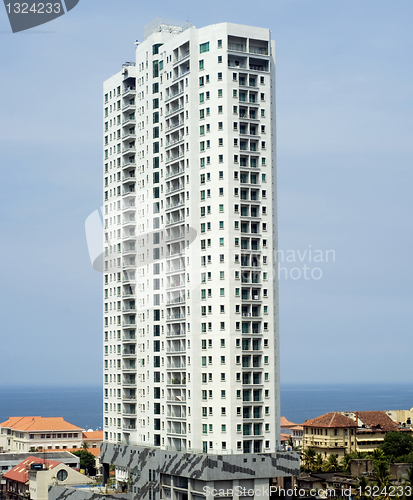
point(25, 434)
point(339, 433)
point(295, 431)
point(332, 433)
point(32, 477)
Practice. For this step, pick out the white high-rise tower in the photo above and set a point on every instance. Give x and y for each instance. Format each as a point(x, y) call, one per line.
point(191, 349)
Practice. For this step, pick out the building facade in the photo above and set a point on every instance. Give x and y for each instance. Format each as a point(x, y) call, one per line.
point(191, 351)
point(339, 433)
point(24, 434)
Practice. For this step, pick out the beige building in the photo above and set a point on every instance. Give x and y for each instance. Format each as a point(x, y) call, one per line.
point(25, 434)
point(372, 427)
point(32, 477)
point(343, 432)
point(332, 433)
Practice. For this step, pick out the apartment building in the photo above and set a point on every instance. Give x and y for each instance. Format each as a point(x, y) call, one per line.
point(191, 349)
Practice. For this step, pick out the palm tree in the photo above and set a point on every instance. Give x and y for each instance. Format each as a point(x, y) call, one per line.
point(378, 455)
point(85, 446)
point(331, 463)
point(361, 487)
point(308, 458)
point(382, 477)
point(318, 462)
point(346, 461)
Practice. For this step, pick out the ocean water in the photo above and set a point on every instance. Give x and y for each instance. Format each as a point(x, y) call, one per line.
point(82, 406)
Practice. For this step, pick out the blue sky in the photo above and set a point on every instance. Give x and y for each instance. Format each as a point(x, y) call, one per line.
point(344, 138)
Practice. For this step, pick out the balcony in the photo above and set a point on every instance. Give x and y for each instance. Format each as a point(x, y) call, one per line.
point(174, 94)
point(181, 57)
point(174, 110)
point(237, 47)
point(129, 91)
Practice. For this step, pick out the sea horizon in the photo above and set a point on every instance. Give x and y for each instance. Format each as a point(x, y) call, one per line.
point(82, 405)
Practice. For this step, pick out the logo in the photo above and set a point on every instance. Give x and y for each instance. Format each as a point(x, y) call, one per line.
point(26, 15)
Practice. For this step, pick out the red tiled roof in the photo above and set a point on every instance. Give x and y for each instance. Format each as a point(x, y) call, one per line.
point(286, 424)
point(31, 424)
point(332, 419)
point(285, 437)
point(93, 435)
point(377, 420)
point(19, 473)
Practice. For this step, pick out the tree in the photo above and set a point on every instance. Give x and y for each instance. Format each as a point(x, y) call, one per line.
point(308, 458)
point(396, 444)
point(362, 482)
point(345, 462)
point(85, 446)
point(331, 464)
point(318, 462)
point(87, 461)
point(382, 476)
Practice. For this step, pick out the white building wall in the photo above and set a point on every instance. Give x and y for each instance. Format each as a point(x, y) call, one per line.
point(172, 191)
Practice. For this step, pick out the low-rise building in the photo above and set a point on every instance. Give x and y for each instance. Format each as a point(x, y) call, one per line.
point(25, 434)
point(372, 427)
point(339, 433)
point(93, 439)
point(332, 433)
point(294, 430)
point(31, 478)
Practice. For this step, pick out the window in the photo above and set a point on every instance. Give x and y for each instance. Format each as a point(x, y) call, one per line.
point(219, 59)
point(223, 410)
point(220, 44)
point(201, 64)
point(219, 92)
point(221, 208)
point(220, 109)
point(204, 47)
point(201, 98)
point(221, 224)
point(222, 325)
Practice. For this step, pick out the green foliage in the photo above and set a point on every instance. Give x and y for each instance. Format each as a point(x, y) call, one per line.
point(331, 464)
point(405, 459)
point(87, 461)
point(318, 462)
point(397, 444)
point(308, 456)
